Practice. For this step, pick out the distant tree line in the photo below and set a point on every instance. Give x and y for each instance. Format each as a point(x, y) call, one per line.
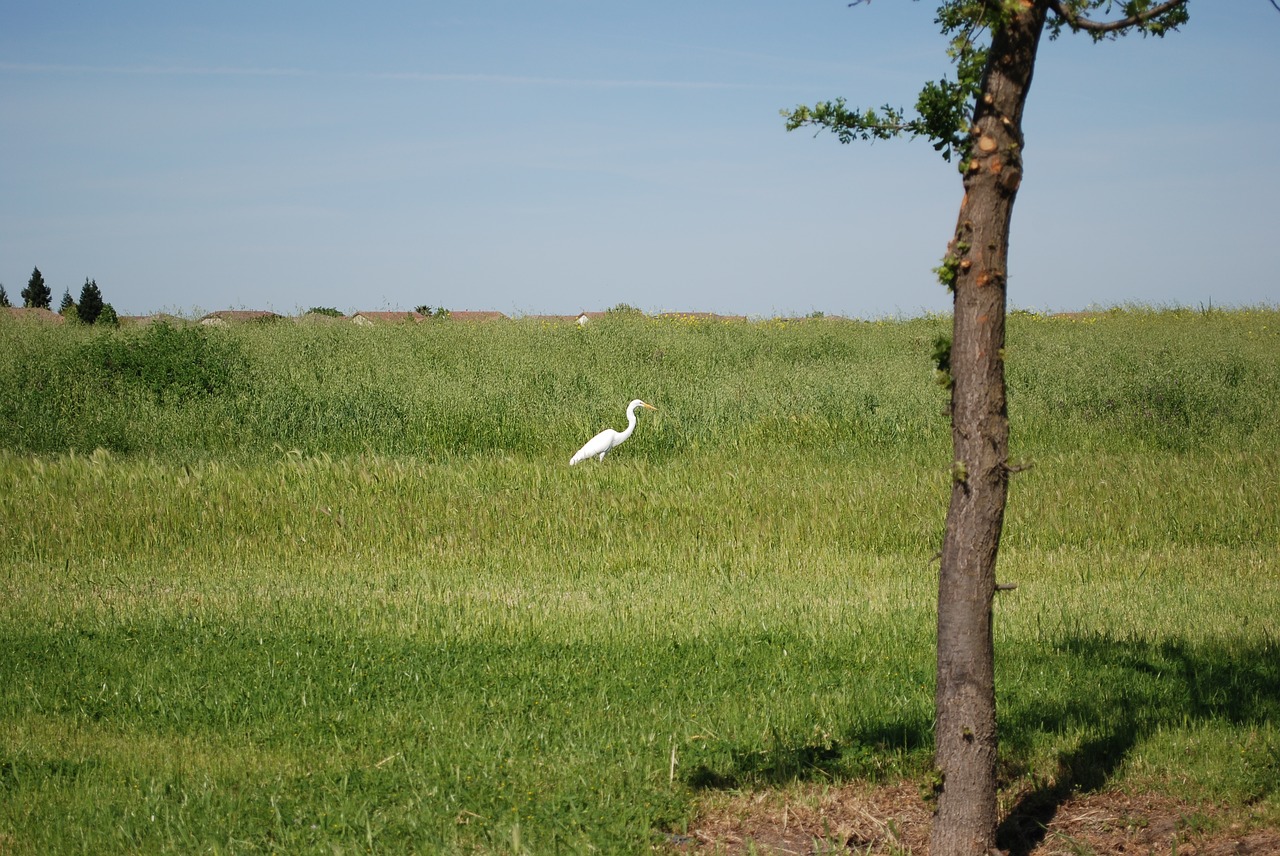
point(89, 309)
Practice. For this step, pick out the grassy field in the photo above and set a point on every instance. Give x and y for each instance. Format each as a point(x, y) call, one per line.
point(318, 588)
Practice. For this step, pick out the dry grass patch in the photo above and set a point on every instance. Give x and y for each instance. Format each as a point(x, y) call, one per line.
point(894, 820)
point(813, 819)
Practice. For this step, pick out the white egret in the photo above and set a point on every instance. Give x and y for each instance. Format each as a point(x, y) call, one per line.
point(598, 445)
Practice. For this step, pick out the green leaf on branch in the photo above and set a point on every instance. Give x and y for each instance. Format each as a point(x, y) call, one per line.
point(848, 125)
point(944, 109)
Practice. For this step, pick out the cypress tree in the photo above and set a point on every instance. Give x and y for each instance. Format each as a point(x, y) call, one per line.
point(36, 294)
point(90, 301)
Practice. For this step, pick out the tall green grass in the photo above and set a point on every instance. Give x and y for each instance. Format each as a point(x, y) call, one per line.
point(273, 614)
point(1170, 381)
point(524, 388)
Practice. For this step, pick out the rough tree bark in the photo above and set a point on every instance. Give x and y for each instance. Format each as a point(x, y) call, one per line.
point(966, 706)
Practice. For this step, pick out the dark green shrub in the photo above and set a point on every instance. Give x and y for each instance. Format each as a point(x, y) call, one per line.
point(173, 364)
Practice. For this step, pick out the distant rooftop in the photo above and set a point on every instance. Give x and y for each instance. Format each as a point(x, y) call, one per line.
point(35, 314)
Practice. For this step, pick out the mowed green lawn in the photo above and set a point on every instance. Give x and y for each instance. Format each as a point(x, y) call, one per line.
point(310, 588)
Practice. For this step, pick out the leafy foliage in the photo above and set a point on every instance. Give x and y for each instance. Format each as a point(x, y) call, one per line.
point(1148, 17)
point(942, 360)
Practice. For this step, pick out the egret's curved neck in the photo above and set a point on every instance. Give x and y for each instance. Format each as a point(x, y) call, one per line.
point(631, 422)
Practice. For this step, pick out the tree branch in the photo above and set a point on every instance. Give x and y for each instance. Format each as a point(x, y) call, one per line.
point(1079, 22)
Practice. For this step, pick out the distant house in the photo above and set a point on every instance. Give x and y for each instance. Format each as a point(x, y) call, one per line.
point(46, 316)
point(585, 318)
point(237, 316)
point(474, 316)
point(369, 319)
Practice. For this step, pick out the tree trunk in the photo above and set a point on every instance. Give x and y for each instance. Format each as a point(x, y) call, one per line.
point(965, 734)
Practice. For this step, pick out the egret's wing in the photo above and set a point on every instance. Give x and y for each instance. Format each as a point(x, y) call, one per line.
point(597, 445)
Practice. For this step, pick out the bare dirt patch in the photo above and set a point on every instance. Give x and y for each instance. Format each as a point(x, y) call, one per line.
point(895, 820)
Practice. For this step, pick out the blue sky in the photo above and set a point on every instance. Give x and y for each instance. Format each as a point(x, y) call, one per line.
point(561, 155)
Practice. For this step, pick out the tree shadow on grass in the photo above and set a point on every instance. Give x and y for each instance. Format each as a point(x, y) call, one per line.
point(1088, 767)
point(1122, 692)
point(871, 753)
point(1110, 694)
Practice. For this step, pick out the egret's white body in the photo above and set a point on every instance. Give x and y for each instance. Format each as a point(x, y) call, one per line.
point(600, 444)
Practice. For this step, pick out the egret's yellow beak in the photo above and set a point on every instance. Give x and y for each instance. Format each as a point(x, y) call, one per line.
point(650, 406)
